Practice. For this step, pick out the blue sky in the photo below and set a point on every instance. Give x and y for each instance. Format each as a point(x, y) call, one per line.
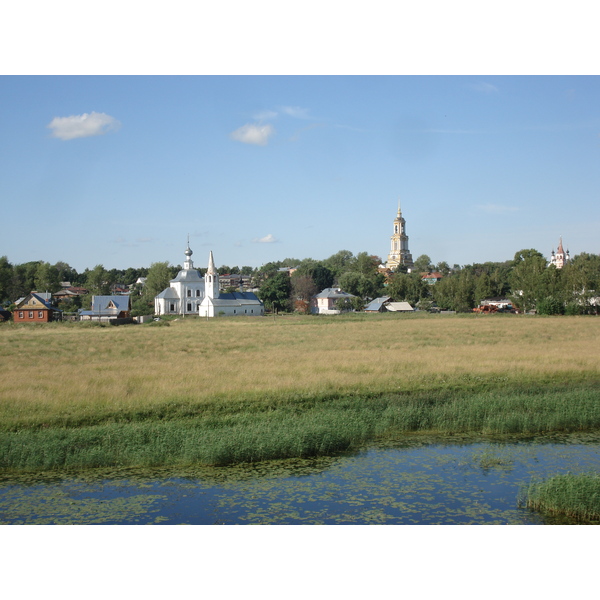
point(117, 170)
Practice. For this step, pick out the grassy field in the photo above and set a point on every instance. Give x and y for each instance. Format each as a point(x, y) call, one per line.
point(217, 391)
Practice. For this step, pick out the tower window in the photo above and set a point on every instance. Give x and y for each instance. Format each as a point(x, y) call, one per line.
point(189, 293)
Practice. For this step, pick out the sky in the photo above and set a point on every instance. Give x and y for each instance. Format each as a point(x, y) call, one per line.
point(118, 170)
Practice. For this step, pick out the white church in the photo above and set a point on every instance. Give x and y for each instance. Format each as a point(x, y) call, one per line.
point(191, 294)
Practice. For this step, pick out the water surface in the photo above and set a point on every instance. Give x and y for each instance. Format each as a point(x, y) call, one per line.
point(412, 480)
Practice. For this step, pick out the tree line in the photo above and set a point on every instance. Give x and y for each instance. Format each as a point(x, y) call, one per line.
point(527, 280)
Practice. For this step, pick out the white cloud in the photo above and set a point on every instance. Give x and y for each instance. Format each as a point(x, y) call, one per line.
point(268, 239)
point(85, 125)
point(295, 111)
point(497, 209)
point(253, 134)
point(486, 88)
point(266, 115)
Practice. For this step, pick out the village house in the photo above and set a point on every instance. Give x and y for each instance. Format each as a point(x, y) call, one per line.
point(325, 302)
point(107, 308)
point(432, 277)
point(386, 304)
point(35, 308)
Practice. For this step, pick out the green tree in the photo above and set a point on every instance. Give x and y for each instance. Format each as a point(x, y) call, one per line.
point(408, 287)
point(367, 264)
point(24, 280)
point(526, 278)
point(6, 274)
point(46, 278)
point(423, 264)
point(443, 268)
point(340, 262)
point(303, 289)
point(483, 288)
point(159, 275)
point(98, 282)
point(582, 282)
point(361, 285)
point(275, 291)
point(344, 304)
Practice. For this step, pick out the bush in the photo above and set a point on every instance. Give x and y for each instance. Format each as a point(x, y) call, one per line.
point(550, 306)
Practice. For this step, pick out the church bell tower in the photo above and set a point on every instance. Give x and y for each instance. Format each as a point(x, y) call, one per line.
point(399, 253)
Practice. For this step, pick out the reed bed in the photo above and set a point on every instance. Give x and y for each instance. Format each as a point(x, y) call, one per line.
point(300, 428)
point(246, 389)
point(576, 496)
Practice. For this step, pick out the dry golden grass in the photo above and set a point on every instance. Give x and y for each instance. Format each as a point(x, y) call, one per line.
point(62, 369)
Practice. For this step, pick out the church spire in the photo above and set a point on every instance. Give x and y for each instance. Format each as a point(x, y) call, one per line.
point(211, 279)
point(211, 264)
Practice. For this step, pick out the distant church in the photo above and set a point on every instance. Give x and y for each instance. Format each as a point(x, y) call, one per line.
point(399, 253)
point(191, 294)
point(561, 258)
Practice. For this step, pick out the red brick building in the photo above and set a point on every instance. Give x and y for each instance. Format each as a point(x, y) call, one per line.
point(33, 309)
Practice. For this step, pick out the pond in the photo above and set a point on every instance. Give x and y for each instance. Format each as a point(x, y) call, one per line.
point(412, 480)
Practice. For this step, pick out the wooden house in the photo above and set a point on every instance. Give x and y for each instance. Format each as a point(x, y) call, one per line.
point(35, 309)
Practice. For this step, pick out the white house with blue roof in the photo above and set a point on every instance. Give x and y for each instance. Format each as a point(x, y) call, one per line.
point(105, 308)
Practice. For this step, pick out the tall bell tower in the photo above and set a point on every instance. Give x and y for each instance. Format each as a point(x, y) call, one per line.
point(399, 252)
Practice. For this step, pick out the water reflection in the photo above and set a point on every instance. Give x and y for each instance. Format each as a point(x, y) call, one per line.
point(412, 480)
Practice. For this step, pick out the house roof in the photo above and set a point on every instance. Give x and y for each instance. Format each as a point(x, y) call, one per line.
point(399, 307)
point(106, 303)
point(377, 304)
point(39, 298)
point(431, 275)
point(333, 293)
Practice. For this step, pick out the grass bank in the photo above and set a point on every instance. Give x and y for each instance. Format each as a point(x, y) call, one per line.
point(573, 496)
point(300, 428)
point(249, 389)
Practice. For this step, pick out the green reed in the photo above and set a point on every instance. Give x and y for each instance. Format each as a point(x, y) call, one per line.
point(572, 495)
point(289, 427)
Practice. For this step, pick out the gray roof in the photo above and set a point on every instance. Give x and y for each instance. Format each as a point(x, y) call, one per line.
point(237, 299)
point(377, 304)
point(101, 303)
point(188, 275)
point(170, 293)
point(333, 293)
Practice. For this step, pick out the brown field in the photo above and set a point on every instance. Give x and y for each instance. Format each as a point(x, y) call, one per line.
point(66, 369)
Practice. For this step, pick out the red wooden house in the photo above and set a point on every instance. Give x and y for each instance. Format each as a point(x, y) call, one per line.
point(34, 309)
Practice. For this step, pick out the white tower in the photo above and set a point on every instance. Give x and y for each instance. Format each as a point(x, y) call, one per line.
point(561, 258)
point(211, 279)
point(399, 253)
